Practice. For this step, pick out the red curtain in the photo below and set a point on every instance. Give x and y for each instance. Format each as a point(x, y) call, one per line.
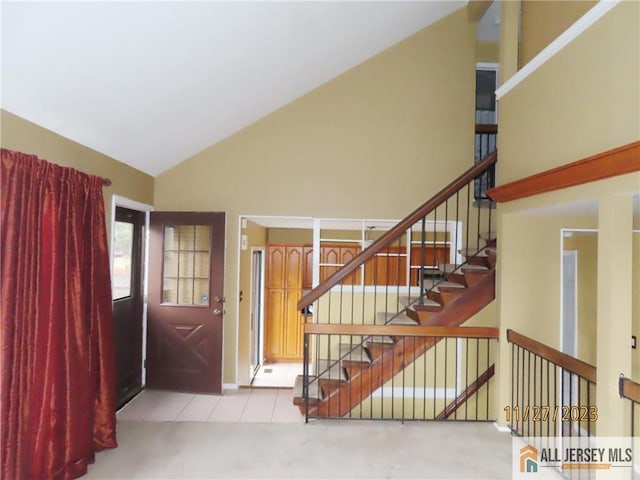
point(57, 396)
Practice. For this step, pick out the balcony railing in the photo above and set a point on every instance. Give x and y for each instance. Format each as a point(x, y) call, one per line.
point(552, 393)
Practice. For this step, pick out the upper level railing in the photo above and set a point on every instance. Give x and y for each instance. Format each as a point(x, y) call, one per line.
point(552, 393)
point(486, 142)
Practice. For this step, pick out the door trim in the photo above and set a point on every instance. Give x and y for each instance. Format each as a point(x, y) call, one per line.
point(120, 201)
point(260, 322)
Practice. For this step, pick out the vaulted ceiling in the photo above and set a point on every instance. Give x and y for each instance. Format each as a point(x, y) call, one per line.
point(152, 83)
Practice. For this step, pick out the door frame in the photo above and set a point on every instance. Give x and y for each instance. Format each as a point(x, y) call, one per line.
point(260, 317)
point(120, 201)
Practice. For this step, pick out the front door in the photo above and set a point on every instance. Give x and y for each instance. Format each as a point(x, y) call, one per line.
point(128, 245)
point(186, 303)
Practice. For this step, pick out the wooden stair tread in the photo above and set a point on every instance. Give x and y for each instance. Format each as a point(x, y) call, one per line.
point(314, 390)
point(427, 305)
point(353, 353)
point(448, 285)
point(335, 373)
point(472, 252)
point(407, 300)
point(402, 319)
point(452, 267)
point(379, 339)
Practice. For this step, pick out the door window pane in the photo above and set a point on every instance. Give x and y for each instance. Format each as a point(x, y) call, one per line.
point(122, 260)
point(187, 264)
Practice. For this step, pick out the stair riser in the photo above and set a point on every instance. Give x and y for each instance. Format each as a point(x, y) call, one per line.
point(457, 278)
point(482, 261)
point(472, 278)
point(445, 296)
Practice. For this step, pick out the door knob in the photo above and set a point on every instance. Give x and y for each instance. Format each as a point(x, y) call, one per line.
point(217, 311)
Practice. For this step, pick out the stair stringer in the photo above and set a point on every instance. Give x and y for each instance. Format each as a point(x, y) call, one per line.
point(346, 396)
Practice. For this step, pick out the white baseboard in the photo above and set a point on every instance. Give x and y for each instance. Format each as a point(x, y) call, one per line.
point(230, 386)
point(500, 428)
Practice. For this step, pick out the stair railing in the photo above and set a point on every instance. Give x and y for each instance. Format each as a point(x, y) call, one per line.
point(552, 394)
point(413, 266)
point(448, 378)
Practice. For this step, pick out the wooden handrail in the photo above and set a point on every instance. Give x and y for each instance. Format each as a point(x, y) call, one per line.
point(391, 235)
point(468, 392)
point(618, 161)
point(490, 128)
point(561, 359)
point(400, 330)
point(629, 389)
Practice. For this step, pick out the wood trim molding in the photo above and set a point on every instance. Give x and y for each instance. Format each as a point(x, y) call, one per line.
point(561, 359)
point(400, 330)
point(629, 389)
point(619, 161)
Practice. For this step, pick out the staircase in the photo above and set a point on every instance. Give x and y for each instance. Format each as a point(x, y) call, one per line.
point(408, 339)
point(361, 369)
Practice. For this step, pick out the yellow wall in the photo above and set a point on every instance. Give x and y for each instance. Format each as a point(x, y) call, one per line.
point(300, 236)
point(586, 247)
point(373, 143)
point(21, 135)
point(542, 22)
point(567, 109)
point(488, 52)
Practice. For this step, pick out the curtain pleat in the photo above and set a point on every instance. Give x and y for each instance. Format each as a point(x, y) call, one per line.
point(57, 392)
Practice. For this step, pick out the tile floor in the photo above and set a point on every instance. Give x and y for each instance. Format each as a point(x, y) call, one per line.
point(277, 375)
point(244, 405)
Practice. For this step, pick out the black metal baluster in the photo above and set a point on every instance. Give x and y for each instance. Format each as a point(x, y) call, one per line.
point(466, 377)
point(488, 389)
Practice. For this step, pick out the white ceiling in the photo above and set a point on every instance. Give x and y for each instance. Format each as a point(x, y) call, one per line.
point(152, 83)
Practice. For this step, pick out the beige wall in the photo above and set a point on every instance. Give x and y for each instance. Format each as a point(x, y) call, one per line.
point(24, 136)
point(373, 143)
point(300, 236)
point(586, 247)
point(567, 109)
point(542, 22)
point(488, 52)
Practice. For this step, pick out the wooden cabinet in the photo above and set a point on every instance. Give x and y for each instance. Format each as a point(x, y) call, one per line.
point(307, 269)
point(290, 271)
point(283, 321)
point(333, 256)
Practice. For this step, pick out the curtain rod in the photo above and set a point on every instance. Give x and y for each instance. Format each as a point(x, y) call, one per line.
point(106, 182)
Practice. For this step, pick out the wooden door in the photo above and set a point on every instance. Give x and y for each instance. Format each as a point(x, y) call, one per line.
point(283, 329)
point(185, 309)
point(127, 288)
